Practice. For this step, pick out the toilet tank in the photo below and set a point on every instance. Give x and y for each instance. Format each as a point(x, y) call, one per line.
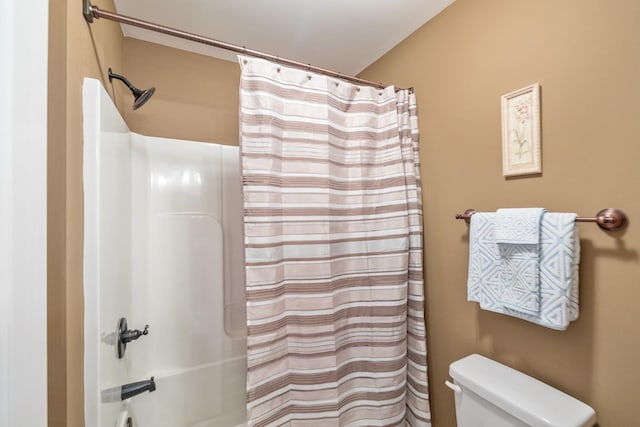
point(489, 394)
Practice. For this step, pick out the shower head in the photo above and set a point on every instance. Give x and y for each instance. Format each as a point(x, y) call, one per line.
point(141, 96)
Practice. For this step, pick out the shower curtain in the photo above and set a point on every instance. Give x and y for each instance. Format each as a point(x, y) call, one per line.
point(333, 251)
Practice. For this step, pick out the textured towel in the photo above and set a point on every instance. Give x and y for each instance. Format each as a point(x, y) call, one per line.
point(517, 232)
point(519, 226)
point(559, 261)
point(484, 262)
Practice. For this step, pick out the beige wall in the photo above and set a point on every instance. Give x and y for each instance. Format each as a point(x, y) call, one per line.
point(196, 96)
point(76, 50)
point(586, 56)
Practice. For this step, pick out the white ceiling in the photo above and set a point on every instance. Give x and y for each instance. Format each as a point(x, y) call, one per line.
point(342, 35)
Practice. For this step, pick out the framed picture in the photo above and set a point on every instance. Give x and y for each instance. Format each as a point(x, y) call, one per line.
point(521, 131)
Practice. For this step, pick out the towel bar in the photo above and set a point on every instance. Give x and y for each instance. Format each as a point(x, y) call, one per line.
point(607, 219)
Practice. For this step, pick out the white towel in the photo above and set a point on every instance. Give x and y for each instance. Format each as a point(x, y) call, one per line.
point(519, 226)
point(517, 232)
point(484, 277)
point(559, 261)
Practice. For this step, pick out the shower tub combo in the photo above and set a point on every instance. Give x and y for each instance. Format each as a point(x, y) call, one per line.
point(163, 248)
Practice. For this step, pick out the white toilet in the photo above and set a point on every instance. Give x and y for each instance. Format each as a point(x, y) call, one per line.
point(489, 394)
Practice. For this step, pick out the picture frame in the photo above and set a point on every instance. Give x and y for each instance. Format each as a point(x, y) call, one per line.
point(521, 153)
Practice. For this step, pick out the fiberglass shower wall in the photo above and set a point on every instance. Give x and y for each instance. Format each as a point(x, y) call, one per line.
point(163, 247)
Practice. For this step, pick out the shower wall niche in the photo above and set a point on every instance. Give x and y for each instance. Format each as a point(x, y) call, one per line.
point(163, 247)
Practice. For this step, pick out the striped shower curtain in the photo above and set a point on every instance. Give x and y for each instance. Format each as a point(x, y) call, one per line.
point(333, 251)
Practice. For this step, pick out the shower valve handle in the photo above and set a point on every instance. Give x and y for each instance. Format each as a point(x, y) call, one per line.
point(126, 335)
point(133, 334)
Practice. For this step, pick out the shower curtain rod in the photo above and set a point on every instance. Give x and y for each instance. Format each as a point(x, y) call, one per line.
point(90, 12)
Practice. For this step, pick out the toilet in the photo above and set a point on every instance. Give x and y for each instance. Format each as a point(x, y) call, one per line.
point(489, 394)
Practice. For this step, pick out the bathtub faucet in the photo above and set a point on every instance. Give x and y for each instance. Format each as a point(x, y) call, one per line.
point(133, 389)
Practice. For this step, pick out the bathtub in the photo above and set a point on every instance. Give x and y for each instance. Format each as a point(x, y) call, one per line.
point(210, 395)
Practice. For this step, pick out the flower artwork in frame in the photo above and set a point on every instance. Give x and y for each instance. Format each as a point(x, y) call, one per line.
point(521, 131)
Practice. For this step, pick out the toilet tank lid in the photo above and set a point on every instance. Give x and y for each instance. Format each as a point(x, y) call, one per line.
point(520, 395)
